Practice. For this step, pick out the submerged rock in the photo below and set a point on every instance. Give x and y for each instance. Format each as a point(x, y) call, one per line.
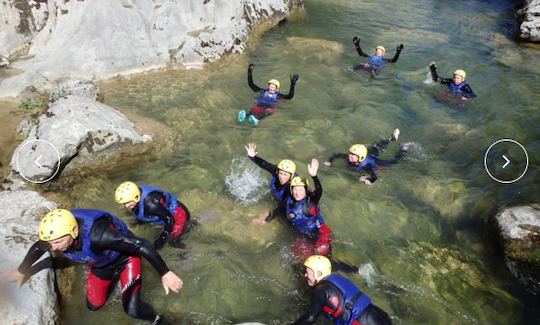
point(35, 301)
point(519, 232)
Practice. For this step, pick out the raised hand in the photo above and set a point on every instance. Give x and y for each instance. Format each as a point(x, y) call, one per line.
point(294, 78)
point(251, 66)
point(251, 149)
point(400, 47)
point(313, 167)
point(433, 63)
point(356, 41)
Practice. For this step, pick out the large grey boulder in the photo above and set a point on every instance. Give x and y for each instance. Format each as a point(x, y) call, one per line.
point(102, 38)
point(74, 129)
point(35, 301)
point(519, 231)
point(530, 27)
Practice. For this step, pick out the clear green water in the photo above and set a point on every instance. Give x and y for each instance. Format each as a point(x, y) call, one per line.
point(422, 228)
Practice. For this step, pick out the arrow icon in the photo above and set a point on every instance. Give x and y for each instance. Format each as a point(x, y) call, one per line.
point(39, 165)
point(507, 161)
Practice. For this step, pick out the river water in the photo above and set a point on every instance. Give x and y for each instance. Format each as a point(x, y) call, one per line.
point(420, 234)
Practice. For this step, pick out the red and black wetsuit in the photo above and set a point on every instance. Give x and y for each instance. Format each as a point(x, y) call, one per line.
point(174, 224)
point(127, 267)
point(261, 111)
point(318, 241)
point(327, 299)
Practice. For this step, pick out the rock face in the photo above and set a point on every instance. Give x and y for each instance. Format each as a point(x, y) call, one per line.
point(101, 38)
point(519, 230)
point(75, 126)
point(35, 301)
point(530, 27)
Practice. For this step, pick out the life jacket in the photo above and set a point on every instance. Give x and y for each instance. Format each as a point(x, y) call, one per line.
point(354, 301)
point(303, 218)
point(376, 62)
point(369, 160)
point(267, 99)
point(170, 204)
point(87, 218)
point(457, 89)
point(274, 183)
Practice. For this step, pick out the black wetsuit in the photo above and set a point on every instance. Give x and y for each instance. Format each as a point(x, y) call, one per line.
point(154, 206)
point(373, 153)
point(374, 69)
point(127, 267)
point(465, 90)
point(326, 298)
point(273, 170)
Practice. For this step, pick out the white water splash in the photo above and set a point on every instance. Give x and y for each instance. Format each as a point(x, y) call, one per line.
point(367, 272)
point(428, 80)
point(246, 181)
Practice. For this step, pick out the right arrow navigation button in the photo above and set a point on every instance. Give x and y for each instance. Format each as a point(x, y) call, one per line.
point(511, 170)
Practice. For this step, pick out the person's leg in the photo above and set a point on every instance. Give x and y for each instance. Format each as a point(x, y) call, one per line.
point(324, 240)
point(181, 217)
point(131, 282)
point(380, 146)
point(98, 287)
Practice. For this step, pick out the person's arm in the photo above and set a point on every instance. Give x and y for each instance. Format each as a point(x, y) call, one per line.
point(153, 207)
point(103, 237)
point(396, 56)
point(251, 84)
point(356, 42)
point(435, 76)
point(290, 95)
point(334, 157)
point(318, 300)
point(317, 193)
point(372, 176)
point(467, 91)
point(271, 168)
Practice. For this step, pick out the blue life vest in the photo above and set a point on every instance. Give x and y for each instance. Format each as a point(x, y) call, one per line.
point(170, 203)
point(87, 217)
point(369, 160)
point(278, 194)
point(456, 89)
point(267, 99)
point(299, 217)
point(354, 301)
point(376, 62)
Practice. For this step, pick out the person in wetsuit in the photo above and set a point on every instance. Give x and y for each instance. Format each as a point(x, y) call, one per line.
point(279, 184)
point(377, 61)
point(268, 98)
point(337, 298)
point(154, 205)
point(111, 252)
point(363, 159)
point(457, 85)
point(303, 212)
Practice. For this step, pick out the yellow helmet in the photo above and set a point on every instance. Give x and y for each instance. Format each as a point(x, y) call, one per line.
point(299, 181)
point(127, 192)
point(275, 82)
point(58, 223)
point(461, 73)
point(319, 264)
point(382, 49)
point(360, 150)
point(287, 165)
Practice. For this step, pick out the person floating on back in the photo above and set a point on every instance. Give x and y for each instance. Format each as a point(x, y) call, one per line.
point(268, 99)
point(337, 298)
point(377, 61)
point(154, 205)
point(363, 159)
point(457, 86)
